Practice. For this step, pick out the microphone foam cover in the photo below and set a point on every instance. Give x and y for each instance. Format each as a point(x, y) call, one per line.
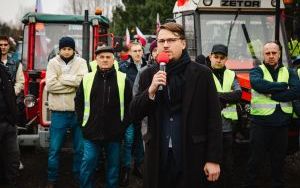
point(162, 57)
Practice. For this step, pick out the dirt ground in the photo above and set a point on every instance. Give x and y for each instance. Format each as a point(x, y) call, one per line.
point(34, 175)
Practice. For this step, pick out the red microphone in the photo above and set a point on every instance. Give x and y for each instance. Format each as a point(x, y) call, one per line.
point(162, 59)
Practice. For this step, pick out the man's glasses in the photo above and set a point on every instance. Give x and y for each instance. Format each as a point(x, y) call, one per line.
point(169, 40)
point(3, 44)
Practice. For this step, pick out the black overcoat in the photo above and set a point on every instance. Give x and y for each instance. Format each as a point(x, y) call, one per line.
point(201, 130)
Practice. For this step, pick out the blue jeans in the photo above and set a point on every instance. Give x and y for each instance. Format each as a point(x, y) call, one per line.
point(92, 149)
point(127, 147)
point(60, 123)
point(138, 151)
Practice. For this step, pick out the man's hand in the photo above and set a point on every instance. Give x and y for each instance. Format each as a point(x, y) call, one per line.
point(212, 171)
point(160, 78)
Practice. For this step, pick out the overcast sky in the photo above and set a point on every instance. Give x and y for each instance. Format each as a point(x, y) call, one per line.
point(11, 11)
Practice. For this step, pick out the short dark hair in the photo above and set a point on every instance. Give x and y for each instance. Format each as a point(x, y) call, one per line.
point(125, 49)
point(175, 28)
point(4, 37)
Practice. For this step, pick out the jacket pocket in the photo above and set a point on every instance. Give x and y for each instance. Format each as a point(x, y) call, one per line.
point(198, 138)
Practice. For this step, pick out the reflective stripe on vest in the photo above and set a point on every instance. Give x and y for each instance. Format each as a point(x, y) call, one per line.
point(87, 87)
point(93, 65)
point(230, 111)
point(262, 104)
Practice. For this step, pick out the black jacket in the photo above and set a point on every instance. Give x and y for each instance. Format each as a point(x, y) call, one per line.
point(8, 95)
point(104, 121)
point(280, 91)
point(201, 125)
point(129, 68)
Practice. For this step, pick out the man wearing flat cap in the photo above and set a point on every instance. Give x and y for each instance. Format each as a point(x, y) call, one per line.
point(94, 64)
point(64, 74)
point(230, 93)
point(102, 102)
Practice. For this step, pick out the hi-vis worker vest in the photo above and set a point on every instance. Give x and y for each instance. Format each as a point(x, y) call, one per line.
point(294, 48)
point(93, 65)
point(230, 111)
point(87, 87)
point(263, 105)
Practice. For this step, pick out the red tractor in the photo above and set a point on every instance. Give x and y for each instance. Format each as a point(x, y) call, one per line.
point(243, 25)
point(40, 43)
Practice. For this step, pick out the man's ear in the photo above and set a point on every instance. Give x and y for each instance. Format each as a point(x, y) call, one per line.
point(184, 44)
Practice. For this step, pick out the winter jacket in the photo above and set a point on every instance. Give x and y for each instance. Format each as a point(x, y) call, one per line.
point(201, 125)
point(15, 70)
point(8, 95)
point(62, 80)
point(279, 91)
point(130, 69)
point(104, 122)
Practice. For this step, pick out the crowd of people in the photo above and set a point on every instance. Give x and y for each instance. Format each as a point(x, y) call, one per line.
point(175, 137)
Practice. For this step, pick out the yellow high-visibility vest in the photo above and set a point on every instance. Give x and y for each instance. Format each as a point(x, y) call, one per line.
point(88, 81)
point(263, 105)
point(294, 48)
point(230, 111)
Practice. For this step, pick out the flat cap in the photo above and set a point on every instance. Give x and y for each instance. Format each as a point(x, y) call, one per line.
point(101, 49)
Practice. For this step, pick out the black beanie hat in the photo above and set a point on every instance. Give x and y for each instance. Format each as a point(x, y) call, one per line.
point(67, 42)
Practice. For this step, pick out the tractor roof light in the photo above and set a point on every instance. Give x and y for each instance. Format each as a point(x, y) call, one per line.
point(207, 2)
point(30, 101)
point(98, 11)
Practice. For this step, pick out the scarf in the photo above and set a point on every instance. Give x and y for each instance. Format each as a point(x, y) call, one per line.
point(67, 59)
point(176, 81)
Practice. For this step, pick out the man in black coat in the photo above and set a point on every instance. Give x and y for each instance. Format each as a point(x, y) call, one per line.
point(9, 153)
point(102, 101)
point(184, 142)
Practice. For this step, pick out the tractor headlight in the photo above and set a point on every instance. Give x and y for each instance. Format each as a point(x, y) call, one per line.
point(273, 3)
point(29, 101)
point(207, 2)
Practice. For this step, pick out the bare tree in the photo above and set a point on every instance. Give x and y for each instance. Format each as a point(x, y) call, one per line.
point(78, 6)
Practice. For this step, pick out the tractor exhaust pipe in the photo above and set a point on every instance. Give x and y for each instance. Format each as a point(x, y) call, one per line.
point(86, 39)
point(277, 21)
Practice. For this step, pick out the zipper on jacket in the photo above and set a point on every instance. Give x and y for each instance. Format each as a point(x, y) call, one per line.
point(108, 95)
point(104, 90)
